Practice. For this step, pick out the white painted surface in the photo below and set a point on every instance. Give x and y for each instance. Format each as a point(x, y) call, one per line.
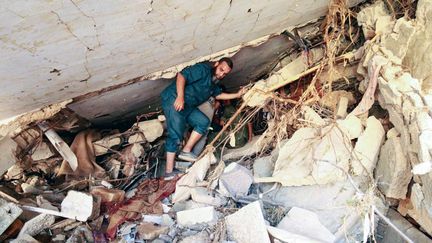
point(54, 50)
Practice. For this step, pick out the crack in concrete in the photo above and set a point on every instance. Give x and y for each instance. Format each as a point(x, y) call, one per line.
point(88, 49)
point(70, 30)
point(94, 23)
point(219, 27)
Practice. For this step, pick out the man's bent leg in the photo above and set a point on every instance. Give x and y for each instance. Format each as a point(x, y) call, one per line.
point(200, 124)
point(193, 139)
point(176, 125)
point(208, 109)
point(170, 158)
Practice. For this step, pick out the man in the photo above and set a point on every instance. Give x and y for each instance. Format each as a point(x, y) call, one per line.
point(194, 85)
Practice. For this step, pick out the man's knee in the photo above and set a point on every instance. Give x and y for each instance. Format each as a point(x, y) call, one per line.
point(201, 125)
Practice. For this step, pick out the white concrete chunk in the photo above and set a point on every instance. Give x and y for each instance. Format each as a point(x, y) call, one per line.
point(304, 222)
point(77, 205)
point(247, 225)
point(368, 146)
point(8, 213)
point(152, 129)
point(351, 126)
point(196, 216)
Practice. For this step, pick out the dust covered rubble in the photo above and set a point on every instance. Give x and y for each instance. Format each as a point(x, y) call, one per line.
point(321, 178)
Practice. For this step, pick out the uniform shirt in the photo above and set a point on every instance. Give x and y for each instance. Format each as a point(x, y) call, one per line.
point(199, 85)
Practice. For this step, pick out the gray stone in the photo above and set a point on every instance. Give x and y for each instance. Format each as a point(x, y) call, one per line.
point(203, 195)
point(35, 225)
point(263, 166)
point(393, 170)
point(201, 237)
point(235, 181)
point(247, 225)
point(391, 236)
point(7, 158)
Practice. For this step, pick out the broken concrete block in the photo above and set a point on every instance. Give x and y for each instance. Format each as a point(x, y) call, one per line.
point(425, 149)
point(42, 151)
point(150, 231)
point(341, 109)
point(393, 170)
point(197, 216)
point(203, 195)
point(102, 146)
point(351, 126)
point(367, 147)
point(8, 213)
point(367, 18)
point(187, 205)
point(201, 237)
point(167, 220)
point(391, 236)
point(35, 225)
point(302, 222)
point(7, 159)
point(81, 234)
point(247, 225)
point(312, 156)
point(419, 210)
point(151, 129)
point(137, 138)
point(77, 205)
point(235, 181)
point(285, 236)
point(263, 167)
point(194, 175)
point(424, 121)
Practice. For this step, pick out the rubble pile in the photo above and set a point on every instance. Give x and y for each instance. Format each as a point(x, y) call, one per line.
point(352, 160)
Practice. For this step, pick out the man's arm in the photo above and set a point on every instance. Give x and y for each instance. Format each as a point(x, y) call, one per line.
point(180, 85)
point(230, 96)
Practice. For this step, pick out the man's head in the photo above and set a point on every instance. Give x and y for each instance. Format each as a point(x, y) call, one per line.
point(222, 67)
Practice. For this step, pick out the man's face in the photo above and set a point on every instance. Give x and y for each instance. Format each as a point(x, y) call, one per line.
point(221, 70)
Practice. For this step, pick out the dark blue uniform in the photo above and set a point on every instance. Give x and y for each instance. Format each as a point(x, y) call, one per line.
point(199, 88)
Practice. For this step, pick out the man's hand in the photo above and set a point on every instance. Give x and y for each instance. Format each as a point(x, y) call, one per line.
point(241, 92)
point(179, 104)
